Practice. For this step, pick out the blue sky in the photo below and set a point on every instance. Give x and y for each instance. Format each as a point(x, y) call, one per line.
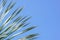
point(45, 15)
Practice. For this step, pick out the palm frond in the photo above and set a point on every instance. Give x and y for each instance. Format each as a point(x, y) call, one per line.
point(6, 11)
point(21, 32)
point(2, 4)
point(17, 24)
point(29, 37)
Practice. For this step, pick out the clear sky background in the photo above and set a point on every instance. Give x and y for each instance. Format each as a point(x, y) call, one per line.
point(45, 15)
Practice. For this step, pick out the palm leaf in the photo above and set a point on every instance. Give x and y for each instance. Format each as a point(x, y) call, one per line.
point(29, 37)
point(2, 5)
point(17, 24)
point(6, 11)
